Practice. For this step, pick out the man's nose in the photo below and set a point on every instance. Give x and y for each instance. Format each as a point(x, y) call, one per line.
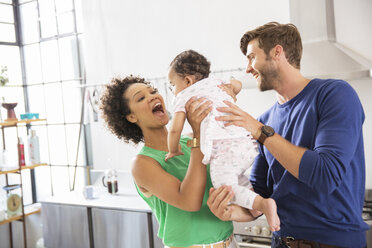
point(249, 68)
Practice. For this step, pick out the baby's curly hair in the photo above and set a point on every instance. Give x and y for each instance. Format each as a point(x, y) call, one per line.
point(191, 63)
point(115, 108)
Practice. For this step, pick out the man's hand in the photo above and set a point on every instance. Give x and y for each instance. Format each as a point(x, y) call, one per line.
point(239, 118)
point(218, 202)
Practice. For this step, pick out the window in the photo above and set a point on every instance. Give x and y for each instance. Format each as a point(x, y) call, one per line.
point(7, 27)
point(49, 84)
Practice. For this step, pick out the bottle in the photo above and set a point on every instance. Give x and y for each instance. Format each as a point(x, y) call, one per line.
point(21, 153)
point(33, 148)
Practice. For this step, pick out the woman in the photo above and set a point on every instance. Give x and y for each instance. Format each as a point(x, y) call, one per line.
point(176, 190)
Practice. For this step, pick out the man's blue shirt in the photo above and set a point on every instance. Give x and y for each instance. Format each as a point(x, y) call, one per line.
point(325, 204)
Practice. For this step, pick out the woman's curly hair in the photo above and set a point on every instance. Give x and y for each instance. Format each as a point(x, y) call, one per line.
point(191, 63)
point(115, 108)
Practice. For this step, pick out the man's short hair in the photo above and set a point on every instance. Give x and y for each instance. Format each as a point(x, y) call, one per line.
point(272, 34)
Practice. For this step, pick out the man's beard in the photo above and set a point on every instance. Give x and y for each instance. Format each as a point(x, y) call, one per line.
point(268, 76)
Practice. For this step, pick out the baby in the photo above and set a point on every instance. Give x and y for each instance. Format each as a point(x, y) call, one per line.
point(231, 150)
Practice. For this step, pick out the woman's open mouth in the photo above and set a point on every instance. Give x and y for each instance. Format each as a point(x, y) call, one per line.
point(158, 109)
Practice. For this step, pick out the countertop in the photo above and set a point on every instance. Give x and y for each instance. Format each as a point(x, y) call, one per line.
point(127, 200)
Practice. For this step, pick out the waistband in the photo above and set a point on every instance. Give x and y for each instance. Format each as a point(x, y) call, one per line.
point(300, 243)
point(221, 244)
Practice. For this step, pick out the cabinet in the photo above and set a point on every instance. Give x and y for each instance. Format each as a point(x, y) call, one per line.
point(88, 226)
point(65, 226)
point(25, 210)
point(116, 228)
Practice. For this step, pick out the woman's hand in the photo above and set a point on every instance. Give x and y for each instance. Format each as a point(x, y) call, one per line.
point(239, 118)
point(196, 111)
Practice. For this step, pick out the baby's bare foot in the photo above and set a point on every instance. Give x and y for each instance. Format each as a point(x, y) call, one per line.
point(269, 209)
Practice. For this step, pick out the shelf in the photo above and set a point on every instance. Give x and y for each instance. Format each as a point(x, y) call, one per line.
point(22, 168)
point(15, 122)
point(29, 210)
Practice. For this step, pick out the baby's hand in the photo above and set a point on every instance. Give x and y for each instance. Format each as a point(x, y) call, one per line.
point(172, 154)
point(228, 88)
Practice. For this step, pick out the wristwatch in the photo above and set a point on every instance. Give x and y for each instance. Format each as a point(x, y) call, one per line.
point(193, 143)
point(266, 131)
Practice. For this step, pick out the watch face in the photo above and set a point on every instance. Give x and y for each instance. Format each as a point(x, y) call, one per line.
point(269, 131)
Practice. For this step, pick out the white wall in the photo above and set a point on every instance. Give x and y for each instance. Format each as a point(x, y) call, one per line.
point(142, 37)
point(353, 22)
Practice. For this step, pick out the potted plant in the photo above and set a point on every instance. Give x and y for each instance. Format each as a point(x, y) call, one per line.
point(9, 106)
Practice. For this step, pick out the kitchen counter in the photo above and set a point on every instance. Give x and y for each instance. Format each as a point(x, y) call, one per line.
point(124, 200)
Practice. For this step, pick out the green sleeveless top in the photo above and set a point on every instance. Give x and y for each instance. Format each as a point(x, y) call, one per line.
point(178, 227)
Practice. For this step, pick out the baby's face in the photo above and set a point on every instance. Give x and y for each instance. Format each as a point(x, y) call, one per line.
point(177, 82)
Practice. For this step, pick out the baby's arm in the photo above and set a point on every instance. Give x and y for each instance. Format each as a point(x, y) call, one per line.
point(175, 134)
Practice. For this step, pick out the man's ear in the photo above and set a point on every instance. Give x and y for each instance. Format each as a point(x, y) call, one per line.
point(131, 118)
point(277, 51)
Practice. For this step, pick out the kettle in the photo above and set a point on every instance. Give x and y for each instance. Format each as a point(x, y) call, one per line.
point(110, 180)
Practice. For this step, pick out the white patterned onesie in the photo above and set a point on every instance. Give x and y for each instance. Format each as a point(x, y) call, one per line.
point(230, 151)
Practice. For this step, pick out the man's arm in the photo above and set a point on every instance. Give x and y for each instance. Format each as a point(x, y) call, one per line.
point(340, 123)
point(285, 152)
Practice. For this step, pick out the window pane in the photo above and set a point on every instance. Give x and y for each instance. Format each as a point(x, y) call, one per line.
point(57, 144)
point(6, 13)
point(9, 56)
point(66, 23)
point(7, 33)
point(63, 5)
point(43, 182)
point(50, 61)
point(46, 8)
point(79, 16)
point(80, 178)
point(36, 100)
point(68, 58)
point(6, 1)
point(33, 63)
point(47, 18)
point(29, 21)
point(48, 27)
point(53, 103)
point(72, 101)
point(26, 182)
point(72, 134)
point(60, 180)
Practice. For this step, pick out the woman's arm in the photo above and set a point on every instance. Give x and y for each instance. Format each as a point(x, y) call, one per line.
point(187, 194)
point(174, 135)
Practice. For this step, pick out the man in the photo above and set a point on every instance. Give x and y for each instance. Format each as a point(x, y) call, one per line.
point(311, 159)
